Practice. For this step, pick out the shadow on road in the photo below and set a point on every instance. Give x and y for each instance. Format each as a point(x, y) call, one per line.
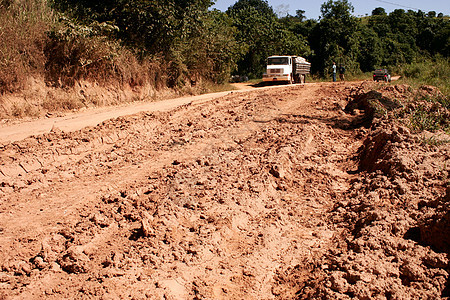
point(268, 83)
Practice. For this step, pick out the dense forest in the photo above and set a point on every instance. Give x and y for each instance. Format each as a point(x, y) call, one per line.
point(174, 43)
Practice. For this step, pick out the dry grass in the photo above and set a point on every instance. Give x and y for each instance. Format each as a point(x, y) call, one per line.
point(37, 44)
point(33, 43)
point(23, 24)
point(75, 53)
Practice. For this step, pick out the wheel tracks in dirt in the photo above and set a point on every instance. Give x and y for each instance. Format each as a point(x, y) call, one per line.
point(18, 130)
point(217, 169)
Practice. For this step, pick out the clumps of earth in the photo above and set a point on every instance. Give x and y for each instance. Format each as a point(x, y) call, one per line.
point(309, 192)
point(396, 215)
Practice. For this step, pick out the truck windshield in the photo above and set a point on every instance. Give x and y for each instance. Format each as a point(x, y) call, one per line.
point(277, 61)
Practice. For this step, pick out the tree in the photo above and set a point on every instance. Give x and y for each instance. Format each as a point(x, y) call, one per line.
point(300, 15)
point(370, 49)
point(379, 11)
point(214, 53)
point(336, 9)
point(262, 7)
point(431, 14)
point(440, 42)
point(299, 26)
point(261, 34)
point(334, 36)
point(380, 24)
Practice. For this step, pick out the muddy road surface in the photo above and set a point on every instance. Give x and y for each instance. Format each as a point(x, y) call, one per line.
point(295, 192)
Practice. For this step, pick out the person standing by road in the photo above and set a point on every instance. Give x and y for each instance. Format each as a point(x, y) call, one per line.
point(334, 72)
point(341, 73)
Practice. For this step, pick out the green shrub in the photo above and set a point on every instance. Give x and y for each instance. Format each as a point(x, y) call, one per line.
point(435, 72)
point(424, 119)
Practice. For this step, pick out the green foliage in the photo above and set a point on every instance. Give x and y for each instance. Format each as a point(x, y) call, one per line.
point(333, 37)
point(405, 36)
point(337, 9)
point(116, 40)
point(210, 54)
point(434, 72)
point(261, 7)
point(221, 50)
point(370, 49)
point(299, 26)
point(254, 21)
point(429, 102)
point(382, 40)
point(425, 119)
point(261, 34)
point(379, 11)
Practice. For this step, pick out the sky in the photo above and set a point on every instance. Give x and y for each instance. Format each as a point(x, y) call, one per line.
point(362, 7)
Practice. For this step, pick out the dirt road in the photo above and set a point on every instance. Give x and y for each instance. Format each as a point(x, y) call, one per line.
point(94, 116)
point(282, 193)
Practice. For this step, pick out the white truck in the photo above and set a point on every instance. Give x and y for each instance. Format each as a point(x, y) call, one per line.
point(292, 69)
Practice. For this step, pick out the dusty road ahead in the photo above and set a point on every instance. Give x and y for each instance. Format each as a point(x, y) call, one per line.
point(94, 116)
point(259, 194)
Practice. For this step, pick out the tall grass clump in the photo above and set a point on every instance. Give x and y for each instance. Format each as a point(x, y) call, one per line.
point(430, 107)
point(23, 26)
point(435, 72)
point(422, 118)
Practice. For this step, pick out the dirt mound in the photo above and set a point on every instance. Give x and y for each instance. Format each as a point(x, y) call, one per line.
point(392, 221)
point(397, 220)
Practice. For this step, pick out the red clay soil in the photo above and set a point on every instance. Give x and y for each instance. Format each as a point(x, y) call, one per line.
point(298, 192)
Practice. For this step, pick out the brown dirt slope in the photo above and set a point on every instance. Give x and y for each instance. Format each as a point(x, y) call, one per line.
point(299, 192)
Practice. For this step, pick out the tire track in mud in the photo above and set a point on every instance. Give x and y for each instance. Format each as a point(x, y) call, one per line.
point(207, 201)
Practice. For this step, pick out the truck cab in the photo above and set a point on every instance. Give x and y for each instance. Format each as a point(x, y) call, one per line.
point(286, 68)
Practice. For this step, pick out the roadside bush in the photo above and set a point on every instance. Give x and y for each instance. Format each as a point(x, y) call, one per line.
point(435, 72)
point(430, 102)
point(76, 52)
point(34, 43)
